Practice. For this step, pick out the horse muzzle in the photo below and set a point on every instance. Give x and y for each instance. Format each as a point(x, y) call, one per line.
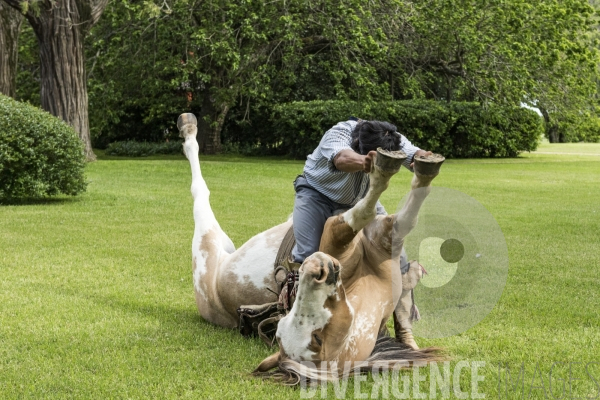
point(322, 268)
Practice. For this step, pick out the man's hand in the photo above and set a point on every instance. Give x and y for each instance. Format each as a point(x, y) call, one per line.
point(369, 161)
point(418, 153)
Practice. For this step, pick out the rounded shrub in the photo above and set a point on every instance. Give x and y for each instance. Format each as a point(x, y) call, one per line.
point(40, 155)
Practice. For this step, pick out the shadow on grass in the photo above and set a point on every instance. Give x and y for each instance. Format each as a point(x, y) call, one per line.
point(39, 201)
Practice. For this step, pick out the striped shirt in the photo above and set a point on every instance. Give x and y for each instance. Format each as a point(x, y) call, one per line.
point(342, 187)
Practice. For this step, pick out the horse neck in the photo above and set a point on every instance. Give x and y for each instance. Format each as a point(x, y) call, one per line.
point(363, 332)
point(340, 324)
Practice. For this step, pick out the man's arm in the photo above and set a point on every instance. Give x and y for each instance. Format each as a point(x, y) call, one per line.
point(348, 160)
point(411, 151)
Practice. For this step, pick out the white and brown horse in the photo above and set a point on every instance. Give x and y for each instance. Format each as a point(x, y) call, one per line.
point(345, 295)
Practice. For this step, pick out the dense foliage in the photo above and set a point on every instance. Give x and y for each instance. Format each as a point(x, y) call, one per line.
point(149, 61)
point(455, 129)
point(222, 59)
point(40, 155)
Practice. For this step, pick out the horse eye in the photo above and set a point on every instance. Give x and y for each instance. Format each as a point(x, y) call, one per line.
point(318, 339)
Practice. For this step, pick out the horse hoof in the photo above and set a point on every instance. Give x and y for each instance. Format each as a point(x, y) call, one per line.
point(389, 161)
point(187, 118)
point(428, 165)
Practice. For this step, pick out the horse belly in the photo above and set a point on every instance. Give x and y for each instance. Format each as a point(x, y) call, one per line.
point(246, 276)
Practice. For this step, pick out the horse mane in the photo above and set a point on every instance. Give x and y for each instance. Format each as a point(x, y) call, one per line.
point(388, 352)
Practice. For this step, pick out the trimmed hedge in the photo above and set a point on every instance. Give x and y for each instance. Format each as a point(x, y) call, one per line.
point(132, 148)
point(459, 130)
point(40, 155)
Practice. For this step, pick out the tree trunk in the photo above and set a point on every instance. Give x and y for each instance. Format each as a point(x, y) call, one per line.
point(62, 69)
point(215, 136)
point(10, 26)
point(204, 119)
point(60, 27)
point(550, 126)
point(210, 125)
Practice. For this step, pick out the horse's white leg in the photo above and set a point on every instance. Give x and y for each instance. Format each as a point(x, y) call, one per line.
point(210, 245)
point(426, 169)
point(204, 217)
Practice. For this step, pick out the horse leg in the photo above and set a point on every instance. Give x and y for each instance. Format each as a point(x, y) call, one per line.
point(210, 244)
point(204, 218)
point(340, 230)
point(426, 169)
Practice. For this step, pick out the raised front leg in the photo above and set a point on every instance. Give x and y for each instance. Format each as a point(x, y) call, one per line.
point(426, 169)
point(340, 230)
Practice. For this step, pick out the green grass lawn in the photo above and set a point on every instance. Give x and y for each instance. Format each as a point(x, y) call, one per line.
point(96, 296)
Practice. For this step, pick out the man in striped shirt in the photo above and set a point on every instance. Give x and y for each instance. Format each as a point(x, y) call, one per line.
point(336, 176)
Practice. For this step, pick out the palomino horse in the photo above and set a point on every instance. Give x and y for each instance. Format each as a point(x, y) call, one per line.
point(345, 294)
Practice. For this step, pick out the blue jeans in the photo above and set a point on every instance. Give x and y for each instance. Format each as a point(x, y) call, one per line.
point(311, 210)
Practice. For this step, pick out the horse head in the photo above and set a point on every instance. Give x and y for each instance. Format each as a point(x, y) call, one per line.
point(318, 325)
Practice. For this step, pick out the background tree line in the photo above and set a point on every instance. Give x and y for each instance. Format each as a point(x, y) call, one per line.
point(232, 62)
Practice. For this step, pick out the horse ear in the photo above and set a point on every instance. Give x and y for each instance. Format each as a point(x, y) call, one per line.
point(268, 363)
